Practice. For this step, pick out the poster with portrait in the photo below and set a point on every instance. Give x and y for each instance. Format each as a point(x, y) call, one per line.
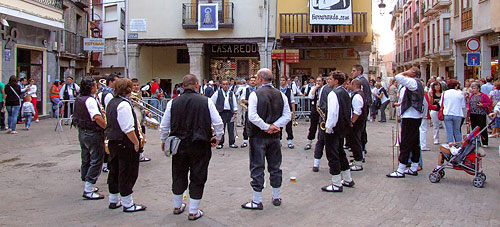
point(330, 12)
point(208, 17)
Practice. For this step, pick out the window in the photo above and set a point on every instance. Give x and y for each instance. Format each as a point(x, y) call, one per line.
point(110, 46)
point(433, 35)
point(446, 33)
point(438, 40)
point(456, 7)
point(428, 39)
point(466, 15)
point(111, 13)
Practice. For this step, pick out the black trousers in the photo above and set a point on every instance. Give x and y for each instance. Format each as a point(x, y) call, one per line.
point(410, 140)
point(364, 135)
point(192, 158)
point(337, 159)
point(2, 115)
point(227, 117)
point(313, 127)
point(320, 144)
point(289, 131)
point(354, 138)
point(480, 120)
point(123, 167)
point(262, 149)
point(68, 109)
point(246, 123)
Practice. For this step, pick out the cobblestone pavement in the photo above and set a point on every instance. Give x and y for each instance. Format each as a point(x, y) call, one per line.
point(40, 186)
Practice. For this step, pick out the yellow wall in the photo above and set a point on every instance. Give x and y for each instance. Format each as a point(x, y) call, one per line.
point(344, 65)
point(34, 8)
point(161, 62)
point(301, 6)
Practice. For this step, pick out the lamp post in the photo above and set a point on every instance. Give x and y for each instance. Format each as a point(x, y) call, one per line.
point(382, 6)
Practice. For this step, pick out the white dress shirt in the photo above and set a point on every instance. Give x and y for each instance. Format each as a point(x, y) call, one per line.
point(214, 117)
point(296, 89)
point(92, 107)
point(411, 84)
point(70, 90)
point(357, 104)
point(454, 103)
point(313, 91)
point(226, 99)
point(333, 112)
point(125, 117)
point(253, 117)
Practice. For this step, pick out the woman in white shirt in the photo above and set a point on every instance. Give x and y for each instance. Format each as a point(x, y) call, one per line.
point(32, 89)
point(384, 100)
point(453, 103)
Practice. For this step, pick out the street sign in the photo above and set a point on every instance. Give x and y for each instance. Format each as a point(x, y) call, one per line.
point(133, 35)
point(93, 44)
point(291, 56)
point(473, 59)
point(473, 44)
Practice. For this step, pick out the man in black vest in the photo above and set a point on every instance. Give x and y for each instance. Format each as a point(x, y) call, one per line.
point(88, 118)
point(104, 97)
point(313, 96)
point(411, 102)
point(357, 73)
point(359, 114)
point(226, 104)
point(124, 147)
point(245, 95)
point(189, 117)
point(69, 91)
point(268, 111)
point(322, 103)
point(338, 121)
point(288, 92)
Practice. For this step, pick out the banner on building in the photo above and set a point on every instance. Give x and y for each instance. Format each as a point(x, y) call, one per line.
point(330, 12)
point(208, 17)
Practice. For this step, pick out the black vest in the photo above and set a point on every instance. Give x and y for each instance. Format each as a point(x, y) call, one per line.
point(104, 93)
point(413, 99)
point(364, 109)
point(66, 90)
point(288, 94)
point(313, 101)
point(344, 121)
point(219, 103)
point(367, 91)
point(190, 117)
point(269, 108)
point(113, 131)
point(323, 102)
point(81, 116)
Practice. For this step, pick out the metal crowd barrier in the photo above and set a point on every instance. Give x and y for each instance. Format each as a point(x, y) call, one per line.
point(159, 104)
point(67, 117)
point(302, 107)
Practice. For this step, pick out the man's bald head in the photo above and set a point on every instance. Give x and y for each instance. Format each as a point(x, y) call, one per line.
point(189, 81)
point(266, 74)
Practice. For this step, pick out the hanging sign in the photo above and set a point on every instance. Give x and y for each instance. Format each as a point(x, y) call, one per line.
point(330, 12)
point(208, 17)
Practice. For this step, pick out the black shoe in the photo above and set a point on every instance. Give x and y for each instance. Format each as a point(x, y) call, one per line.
point(348, 184)
point(395, 174)
point(115, 205)
point(291, 146)
point(332, 188)
point(92, 195)
point(308, 147)
point(233, 146)
point(244, 145)
point(193, 217)
point(277, 202)
point(134, 208)
point(145, 159)
point(315, 169)
point(105, 169)
point(252, 206)
point(410, 172)
point(219, 146)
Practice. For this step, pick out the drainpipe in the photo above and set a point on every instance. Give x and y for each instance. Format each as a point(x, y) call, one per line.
point(126, 39)
point(267, 33)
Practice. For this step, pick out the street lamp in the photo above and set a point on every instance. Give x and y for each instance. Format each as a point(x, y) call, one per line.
point(382, 6)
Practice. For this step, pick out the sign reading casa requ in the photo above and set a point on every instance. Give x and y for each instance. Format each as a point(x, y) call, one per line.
point(330, 12)
point(93, 44)
point(208, 17)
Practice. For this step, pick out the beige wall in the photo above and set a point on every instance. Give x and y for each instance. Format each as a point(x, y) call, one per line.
point(161, 62)
point(483, 15)
point(344, 65)
point(34, 8)
point(164, 20)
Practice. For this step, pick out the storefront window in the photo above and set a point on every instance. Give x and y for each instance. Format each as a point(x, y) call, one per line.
point(232, 60)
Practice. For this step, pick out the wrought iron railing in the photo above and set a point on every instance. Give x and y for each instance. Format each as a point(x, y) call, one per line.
point(190, 15)
point(53, 3)
point(297, 24)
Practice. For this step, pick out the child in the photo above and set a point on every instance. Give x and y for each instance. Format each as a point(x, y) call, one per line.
point(28, 111)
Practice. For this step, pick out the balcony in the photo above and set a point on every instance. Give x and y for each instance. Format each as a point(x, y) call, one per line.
point(82, 3)
point(297, 25)
point(73, 44)
point(416, 20)
point(441, 4)
point(52, 3)
point(190, 15)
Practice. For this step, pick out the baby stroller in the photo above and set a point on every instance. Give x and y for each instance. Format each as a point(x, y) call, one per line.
point(467, 158)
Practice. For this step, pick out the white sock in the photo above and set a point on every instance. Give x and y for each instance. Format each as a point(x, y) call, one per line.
point(276, 193)
point(346, 175)
point(177, 201)
point(414, 167)
point(88, 186)
point(257, 197)
point(141, 156)
point(113, 198)
point(127, 201)
point(245, 141)
point(289, 142)
point(194, 204)
point(337, 180)
point(310, 141)
point(316, 162)
point(105, 165)
point(401, 168)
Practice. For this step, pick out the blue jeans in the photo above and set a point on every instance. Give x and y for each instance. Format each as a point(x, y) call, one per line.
point(13, 112)
point(28, 116)
point(453, 130)
point(56, 102)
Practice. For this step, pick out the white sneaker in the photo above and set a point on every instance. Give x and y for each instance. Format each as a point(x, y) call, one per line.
point(485, 146)
point(37, 120)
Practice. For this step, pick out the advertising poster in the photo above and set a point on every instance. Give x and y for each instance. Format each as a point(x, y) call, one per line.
point(330, 12)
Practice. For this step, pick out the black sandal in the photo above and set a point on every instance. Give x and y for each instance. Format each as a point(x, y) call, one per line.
point(180, 210)
point(115, 205)
point(134, 208)
point(252, 206)
point(92, 195)
point(196, 216)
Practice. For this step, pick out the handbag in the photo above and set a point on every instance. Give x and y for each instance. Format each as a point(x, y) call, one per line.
point(440, 113)
point(171, 145)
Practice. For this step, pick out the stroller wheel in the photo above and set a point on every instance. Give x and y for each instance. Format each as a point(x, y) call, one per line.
point(441, 174)
point(478, 182)
point(482, 176)
point(434, 177)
